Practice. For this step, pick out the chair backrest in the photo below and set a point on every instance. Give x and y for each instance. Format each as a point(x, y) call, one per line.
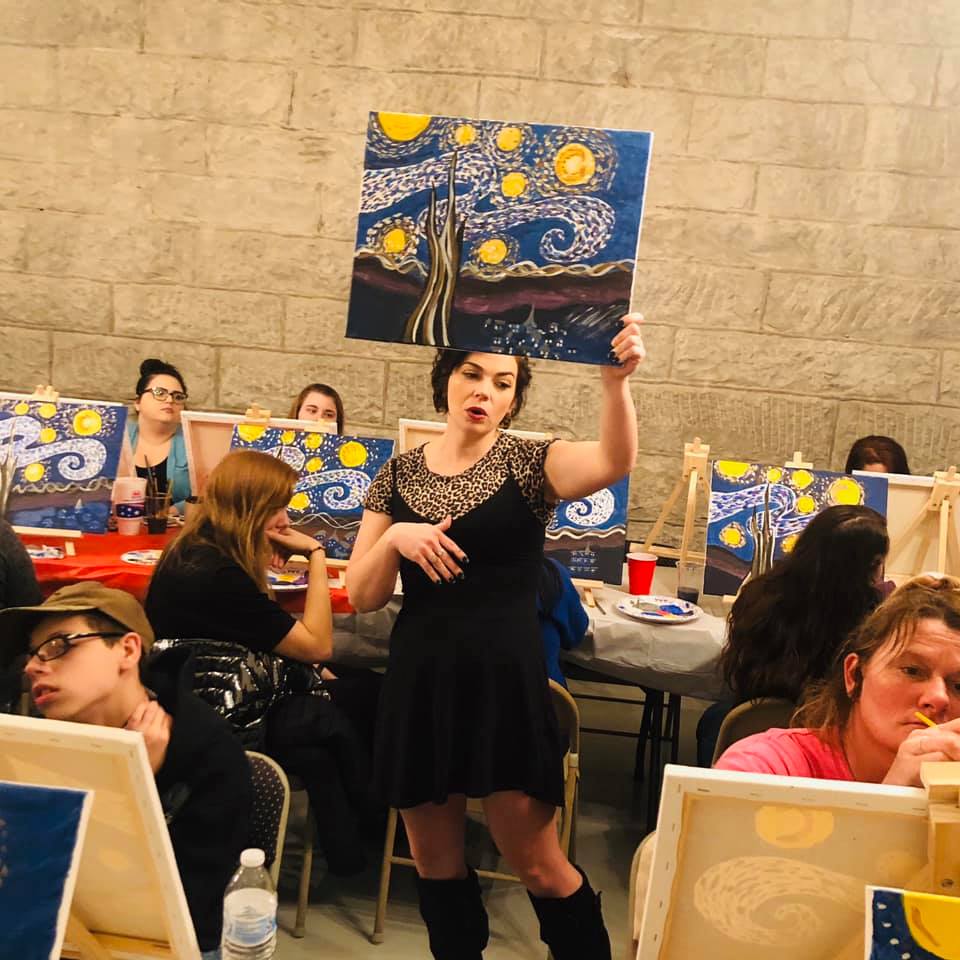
point(568, 715)
point(271, 804)
point(751, 717)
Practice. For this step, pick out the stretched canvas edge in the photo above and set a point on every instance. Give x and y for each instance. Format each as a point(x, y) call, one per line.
point(70, 883)
point(129, 748)
point(680, 782)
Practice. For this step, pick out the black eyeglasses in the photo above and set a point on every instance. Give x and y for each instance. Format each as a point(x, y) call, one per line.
point(162, 393)
point(60, 643)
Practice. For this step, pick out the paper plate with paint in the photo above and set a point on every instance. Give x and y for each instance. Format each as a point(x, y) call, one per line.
point(142, 558)
point(287, 579)
point(659, 609)
point(44, 552)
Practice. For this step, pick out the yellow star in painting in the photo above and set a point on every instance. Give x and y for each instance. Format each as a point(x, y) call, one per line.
point(21, 408)
point(492, 251)
point(509, 138)
point(574, 164)
point(314, 464)
point(48, 435)
point(249, 432)
point(465, 134)
point(513, 184)
point(86, 423)
point(47, 410)
point(299, 502)
point(287, 437)
point(395, 240)
point(313, 441)
point(353, 454)
point(34, 472)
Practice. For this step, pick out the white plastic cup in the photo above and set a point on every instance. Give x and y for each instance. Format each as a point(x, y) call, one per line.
point(128, 489)
point(129, 517)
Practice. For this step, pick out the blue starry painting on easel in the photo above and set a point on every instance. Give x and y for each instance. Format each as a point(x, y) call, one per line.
point(502, 236)
point(58, 461)
point(335, 472)
point(904, 925)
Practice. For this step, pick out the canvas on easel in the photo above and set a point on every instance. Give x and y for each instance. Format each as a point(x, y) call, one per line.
point(334, 473)
point(59, 457)
point(128, 894)
point(923, 523)
point(207, 437)
point(42, 830)
point(913, 924)
point(758, 867)
point(757, 506)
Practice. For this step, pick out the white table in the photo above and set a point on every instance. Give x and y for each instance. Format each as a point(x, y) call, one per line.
point(677, 658)
point(680, 658)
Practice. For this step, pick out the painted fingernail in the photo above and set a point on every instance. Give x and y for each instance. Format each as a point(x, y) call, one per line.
point(460, 576)
point(464, 559)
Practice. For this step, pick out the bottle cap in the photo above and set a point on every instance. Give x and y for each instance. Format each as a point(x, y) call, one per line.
point(252, 858)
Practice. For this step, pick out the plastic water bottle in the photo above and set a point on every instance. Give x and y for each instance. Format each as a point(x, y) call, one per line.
point(249, 911)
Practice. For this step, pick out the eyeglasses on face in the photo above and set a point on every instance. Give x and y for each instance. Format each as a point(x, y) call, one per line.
point(60, 643)
point(162, 393)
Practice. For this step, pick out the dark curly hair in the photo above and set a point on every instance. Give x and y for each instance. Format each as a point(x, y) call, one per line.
point(446, 361)
point(151, 368)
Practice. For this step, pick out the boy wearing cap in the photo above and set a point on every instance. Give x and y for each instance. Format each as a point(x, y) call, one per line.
point(85, 647)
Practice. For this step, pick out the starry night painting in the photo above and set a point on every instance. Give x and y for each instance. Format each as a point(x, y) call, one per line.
point(739, 523)
point(505, 237)
point(58, 461)
point(904, 925)
point(335, 473)
point(41, 835)
point(588, 536)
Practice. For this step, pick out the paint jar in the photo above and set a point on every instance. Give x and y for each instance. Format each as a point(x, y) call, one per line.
point(689, 581)
point(640, 567)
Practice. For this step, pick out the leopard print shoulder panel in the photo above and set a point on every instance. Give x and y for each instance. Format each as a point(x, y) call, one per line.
point(435, 496)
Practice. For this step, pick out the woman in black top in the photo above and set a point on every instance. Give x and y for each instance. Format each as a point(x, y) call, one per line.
point(466, 708)
point(211, 585)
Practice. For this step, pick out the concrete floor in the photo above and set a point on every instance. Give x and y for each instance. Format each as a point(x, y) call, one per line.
point(610, 826)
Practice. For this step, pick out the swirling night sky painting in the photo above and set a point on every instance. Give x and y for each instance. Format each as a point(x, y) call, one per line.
point(903, 925)
point(737, 495)
point(58, 461)
point(588, 536)
point(497, 236)
point(335, 473)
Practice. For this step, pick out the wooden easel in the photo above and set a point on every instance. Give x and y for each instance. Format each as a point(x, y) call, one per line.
point(940, 508)
point(942, 783)
point(256, 412)
point(85, 945)
point(692, 476)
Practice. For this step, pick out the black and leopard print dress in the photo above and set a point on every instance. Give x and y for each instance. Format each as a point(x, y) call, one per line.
point(465, 706)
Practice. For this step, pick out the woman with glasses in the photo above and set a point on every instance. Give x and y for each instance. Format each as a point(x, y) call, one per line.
point(156, 436)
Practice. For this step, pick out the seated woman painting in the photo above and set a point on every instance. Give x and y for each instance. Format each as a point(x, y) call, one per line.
point(786, 626)
point(255, 660)
point(317, 401)
point(863, 722)
point(878, 455)
point(156, 436)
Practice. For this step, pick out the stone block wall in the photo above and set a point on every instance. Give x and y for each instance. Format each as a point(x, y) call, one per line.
point(180, 178)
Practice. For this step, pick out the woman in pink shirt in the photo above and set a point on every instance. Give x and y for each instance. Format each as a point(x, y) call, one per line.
point(861, 723)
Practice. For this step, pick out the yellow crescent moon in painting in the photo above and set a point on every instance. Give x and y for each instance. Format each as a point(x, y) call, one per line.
point(934, 922)
point(403, 127)
point(249, 432)
point(732, 469)
point(793, 828)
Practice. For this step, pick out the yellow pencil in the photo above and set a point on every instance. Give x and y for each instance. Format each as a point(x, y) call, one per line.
point(924, 718)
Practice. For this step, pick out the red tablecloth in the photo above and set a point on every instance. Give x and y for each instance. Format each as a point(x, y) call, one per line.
point(98, 558)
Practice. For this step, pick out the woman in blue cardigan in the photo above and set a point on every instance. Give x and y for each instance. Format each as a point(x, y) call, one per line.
point(156, 435)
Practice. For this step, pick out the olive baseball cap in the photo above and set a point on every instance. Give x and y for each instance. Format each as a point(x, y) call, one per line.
point(88, 596)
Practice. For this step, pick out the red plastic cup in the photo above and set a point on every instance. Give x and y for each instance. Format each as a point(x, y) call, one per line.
point(640, 567)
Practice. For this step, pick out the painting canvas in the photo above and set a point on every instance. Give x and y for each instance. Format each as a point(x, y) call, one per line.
point(58, 461)
point(207, 437)
point(415, 433)
point(127, 884)
point(756, 867)
point(914, 547)
point(41, 835)
point(903, 923)
point(506, 237)
point(589, 536)
point(739, 523)
point(335, 472)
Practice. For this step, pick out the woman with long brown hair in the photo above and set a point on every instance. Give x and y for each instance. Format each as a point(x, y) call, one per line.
point(254, 660)
point(863, 721)
point(317, 401)
point(786, 626)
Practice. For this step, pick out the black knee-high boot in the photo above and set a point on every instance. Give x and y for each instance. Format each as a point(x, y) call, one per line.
point(572, 927)
point(455, 917)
